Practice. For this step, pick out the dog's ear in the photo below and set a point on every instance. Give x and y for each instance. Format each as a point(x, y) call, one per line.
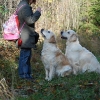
point(52, 40)
point(73, 37)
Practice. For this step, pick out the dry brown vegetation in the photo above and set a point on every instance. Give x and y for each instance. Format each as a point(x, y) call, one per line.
point(57, 15)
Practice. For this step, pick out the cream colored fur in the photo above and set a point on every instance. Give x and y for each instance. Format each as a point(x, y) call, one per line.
point(55, 62)
point(80, 58)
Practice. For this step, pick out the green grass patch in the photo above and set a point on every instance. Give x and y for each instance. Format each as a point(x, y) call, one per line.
point(84, 86)
point(81, 87)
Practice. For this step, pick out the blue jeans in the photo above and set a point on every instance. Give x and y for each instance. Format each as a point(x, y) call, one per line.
point(24, 68)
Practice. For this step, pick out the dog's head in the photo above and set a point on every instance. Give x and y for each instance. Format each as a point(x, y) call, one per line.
point(48, 35)
point(70, 35)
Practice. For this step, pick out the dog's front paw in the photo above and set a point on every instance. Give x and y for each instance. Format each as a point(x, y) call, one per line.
point(49, 79)
point(62, 75)
point(46, 78)
point(74, 72)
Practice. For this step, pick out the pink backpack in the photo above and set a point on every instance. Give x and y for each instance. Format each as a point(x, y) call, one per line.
point(11, 27)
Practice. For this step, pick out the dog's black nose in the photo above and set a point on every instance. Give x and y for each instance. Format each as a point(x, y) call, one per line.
point(42, 30)
point(61, 32)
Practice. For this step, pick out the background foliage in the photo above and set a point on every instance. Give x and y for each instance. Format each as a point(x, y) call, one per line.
point(83, 16)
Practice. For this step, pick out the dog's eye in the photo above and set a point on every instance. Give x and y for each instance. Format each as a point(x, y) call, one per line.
point(68, 32)
point(48, 31)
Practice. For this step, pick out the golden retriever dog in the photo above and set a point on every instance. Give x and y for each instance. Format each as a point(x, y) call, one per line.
point(54, 61)
point(80, 58)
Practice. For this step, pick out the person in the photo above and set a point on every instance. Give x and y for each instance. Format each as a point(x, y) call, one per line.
point(29, 37)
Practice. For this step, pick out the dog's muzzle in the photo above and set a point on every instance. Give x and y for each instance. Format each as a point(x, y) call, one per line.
point(42, 33)
point(64, 37)
point(61, 32)
point(42, 30)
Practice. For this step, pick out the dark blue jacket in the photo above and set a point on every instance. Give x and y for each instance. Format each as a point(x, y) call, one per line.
point(26, 15)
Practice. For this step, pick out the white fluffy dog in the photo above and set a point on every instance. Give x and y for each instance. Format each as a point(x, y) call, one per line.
point(55, 62)
point(79, 57)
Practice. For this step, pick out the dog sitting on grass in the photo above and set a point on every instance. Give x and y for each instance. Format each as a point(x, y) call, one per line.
point(55, 62)
point(80, 58)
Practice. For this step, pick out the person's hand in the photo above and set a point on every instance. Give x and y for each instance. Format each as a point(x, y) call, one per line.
point(39, 9)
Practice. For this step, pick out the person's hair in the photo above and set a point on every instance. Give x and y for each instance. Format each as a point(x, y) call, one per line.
point(33, 0)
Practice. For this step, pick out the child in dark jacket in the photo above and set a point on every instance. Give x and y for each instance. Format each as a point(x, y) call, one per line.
point(28, 36)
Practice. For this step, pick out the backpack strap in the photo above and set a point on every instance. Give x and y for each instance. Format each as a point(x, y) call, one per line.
point(21, 28)
point(17, 9)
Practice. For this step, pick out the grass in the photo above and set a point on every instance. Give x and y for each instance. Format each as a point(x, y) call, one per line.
point(74, 87)
point(81, 87)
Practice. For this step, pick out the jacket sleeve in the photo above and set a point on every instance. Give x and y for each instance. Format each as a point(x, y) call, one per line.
point(29, 16)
